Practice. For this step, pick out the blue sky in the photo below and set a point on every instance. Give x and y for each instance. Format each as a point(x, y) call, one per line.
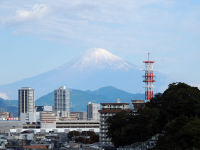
point(40, 35)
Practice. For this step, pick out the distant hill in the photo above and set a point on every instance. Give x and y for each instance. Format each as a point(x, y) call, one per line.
point(79, 99)
point(9, 106)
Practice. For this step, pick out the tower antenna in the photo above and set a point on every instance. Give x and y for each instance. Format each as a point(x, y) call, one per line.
point(149, 78)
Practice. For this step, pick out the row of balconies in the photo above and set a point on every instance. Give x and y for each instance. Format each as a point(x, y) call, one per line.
point(115, 106)
point(103, 131)
point(105, 140)
point(106, 114)
point(77, 125)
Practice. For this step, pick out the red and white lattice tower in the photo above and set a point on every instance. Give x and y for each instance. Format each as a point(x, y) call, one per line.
point(149, 78)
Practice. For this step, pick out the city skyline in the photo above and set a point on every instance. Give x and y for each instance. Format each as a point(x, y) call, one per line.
point(109, 74)
point(36, 37)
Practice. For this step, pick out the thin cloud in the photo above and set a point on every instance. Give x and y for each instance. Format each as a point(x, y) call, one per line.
point(116, 24)
point(38, 11)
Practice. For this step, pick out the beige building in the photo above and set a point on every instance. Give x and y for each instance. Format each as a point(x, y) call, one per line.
point(48, 119)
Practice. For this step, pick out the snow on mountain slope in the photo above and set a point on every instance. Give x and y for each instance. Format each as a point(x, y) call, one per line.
point(99, 58)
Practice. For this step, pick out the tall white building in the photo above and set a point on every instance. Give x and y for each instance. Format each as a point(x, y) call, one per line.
point(26, 104)
point(93, 111)
point(61, 102)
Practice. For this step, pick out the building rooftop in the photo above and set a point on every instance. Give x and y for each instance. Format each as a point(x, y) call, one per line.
point(62, 87)
point(138, 101)
point(26, 88)
point(114, 110)
point(114, 103)
point(36, 147)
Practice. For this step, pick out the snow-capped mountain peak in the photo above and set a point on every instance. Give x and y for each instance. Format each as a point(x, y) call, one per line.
point(99, 54)
point(99, 58)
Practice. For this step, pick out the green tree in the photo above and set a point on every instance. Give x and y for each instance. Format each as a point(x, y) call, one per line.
point(73, 134)
point(86, 137)
point(182, 133)
point(118, 128)
point(175, 113)
point(93, 137)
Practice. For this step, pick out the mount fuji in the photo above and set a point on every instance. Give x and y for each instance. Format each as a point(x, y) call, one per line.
point(93, 69)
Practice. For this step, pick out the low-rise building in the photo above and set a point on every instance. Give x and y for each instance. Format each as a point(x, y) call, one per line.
point(4, 115)
point(58, 126)
point(48, 119)
point(39, 109)
point(77, 124)
point(28, 117)
point(79, 115)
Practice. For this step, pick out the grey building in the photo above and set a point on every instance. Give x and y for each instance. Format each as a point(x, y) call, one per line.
point(26, 104)
point(61, 102)
point(26, 99)
point(93, 111)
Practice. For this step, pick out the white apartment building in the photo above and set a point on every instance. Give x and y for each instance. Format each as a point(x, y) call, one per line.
point(107, 110)
point(61, 102)
point(93, 111)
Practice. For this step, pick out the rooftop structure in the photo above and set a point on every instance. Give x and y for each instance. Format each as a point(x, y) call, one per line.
point(43, 108)
point(137, 104)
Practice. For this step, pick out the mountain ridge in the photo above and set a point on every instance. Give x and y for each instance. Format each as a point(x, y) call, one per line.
point(79, 98)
